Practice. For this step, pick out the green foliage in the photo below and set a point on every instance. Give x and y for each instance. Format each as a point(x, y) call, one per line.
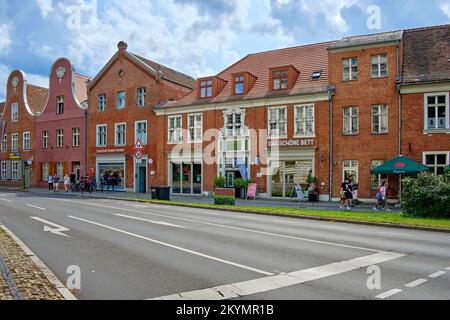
point(224, 201)
point(312, 179)
point(241, 183)
point(219, 182)
point(427, 196)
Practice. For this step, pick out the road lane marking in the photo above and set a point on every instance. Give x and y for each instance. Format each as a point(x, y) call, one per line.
point(416, 283)
point(228, 227)
point(150, 221)
point(35, 207)
point(448, 268)
point(388, 294)
point(58, 229)
point(395, 234)
point(246, 288)
point(175, 247)
point(437, 274)
point(6, 200)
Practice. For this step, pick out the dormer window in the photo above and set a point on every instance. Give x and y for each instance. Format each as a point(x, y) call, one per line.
point(239, 85)
point(206, 89)
point(283, 78)
point(280, 80)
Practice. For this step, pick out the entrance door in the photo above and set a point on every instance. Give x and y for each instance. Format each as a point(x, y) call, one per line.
point(27, 177)
point(230, 179)
point(76, 169)
point(142, 174)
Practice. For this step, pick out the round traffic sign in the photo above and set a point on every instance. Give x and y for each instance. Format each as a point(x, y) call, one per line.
point(138, 155)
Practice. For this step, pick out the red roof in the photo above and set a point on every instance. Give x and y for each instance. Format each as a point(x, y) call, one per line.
point(306, 59)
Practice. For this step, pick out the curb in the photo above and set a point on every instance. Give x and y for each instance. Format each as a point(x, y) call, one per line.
point(66, 294)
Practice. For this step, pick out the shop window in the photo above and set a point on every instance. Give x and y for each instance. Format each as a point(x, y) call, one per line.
point(286, 175)
point(15, 168)
point(114, 169)
point(4, 170)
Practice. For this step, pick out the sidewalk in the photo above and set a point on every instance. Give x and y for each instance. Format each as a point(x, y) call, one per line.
point(334, 206)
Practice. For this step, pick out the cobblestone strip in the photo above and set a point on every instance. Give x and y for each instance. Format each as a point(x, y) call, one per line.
point(34, 281)
point(9, 280)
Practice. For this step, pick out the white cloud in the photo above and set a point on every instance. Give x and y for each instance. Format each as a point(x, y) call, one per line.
point(445, 7)
point(5, 40)
point(46, 7)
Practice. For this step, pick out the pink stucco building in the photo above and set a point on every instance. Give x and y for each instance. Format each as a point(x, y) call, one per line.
point(61, 126)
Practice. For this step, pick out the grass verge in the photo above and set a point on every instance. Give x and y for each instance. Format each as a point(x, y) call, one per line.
point(396, 219)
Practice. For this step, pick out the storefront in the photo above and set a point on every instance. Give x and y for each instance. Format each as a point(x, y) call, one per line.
point(186, 173)
point(114, 165)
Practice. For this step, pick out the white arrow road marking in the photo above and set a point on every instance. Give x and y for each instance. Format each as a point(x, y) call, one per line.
point(39, 208)
point(388, 294)
point(150, 221)
point(256, 286)
point(6, 200)
point(437, 274)
point(58, 231)
point(176, 247)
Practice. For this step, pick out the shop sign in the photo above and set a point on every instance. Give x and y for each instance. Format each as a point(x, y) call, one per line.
point(291, 143)
point(15, 156)
point(111, 151)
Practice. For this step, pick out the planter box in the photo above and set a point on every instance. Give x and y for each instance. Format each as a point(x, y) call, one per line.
point(226, 192)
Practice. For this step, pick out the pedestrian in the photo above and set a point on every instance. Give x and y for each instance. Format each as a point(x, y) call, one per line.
point(92, 184)
point(50, 183)
point(385, 193)
point(56, 183)
point(111, 182)
point(351, 189)
point(379, 197)
point(82, 184)
point(73, 181)
point(345, 194)
point(67, 182)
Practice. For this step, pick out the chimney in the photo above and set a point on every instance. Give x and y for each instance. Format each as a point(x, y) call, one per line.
point(122, 45)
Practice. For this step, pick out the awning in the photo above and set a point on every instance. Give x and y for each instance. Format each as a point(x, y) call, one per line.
point(400, 165)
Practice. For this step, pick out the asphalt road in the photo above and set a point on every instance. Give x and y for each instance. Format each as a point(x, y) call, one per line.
point(136, 251)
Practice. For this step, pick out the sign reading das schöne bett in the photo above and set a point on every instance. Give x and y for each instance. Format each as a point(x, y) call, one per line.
point(291, 143)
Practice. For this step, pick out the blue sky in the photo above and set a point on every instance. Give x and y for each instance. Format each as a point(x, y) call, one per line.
point(198, 37)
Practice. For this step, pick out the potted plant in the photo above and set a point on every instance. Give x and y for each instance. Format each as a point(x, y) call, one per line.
point(220, 190)
point(313, 191)
point(240, 185)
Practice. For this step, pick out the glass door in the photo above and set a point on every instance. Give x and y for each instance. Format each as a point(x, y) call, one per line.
point(197, 188)
point(176, 178)
point(186, 182)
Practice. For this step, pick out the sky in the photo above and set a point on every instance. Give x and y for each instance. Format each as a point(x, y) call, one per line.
point(197, 37)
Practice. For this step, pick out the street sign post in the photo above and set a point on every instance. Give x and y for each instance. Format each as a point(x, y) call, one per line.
point(138, 154)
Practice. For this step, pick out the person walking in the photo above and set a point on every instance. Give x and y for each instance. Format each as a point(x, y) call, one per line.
point(50, 183)
point(73, 181)
point(346, 194)
point(56, 183)
point(67, 182)
point(385, 193)
point(379, 197)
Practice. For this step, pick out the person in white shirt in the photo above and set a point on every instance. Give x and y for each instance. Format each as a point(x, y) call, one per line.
point(50, 183)
point(67, 182)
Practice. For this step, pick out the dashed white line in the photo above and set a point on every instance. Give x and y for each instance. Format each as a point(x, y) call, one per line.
point(150, 221)
point(35, 207)
point(448, 268)
point(388, 294)
point(6, 200)
point(437, 274)
point(176, 247)
point(416, 283)
point(395, 234)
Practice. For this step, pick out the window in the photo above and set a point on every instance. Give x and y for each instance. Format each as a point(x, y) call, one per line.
point(239, 85)
point(175, 129)
point(26, 141)
point(101, 135)
point(437, 162)
point(102, 102)
point(44, 172)
point(206, 89)
point(277, 122)
point(350, 169)
point(280, 80)
point(15, 170)
point(379, 66)
point(14, 112)
point(350, 69)
point(121, 100)
point(437, 112)
point(60, 105)
point(351, 121)
point(59, 138)
point(4, 143)
point(234, 125)
point(380, 119)
point(76, 137)
point(195, 127)
point(304, 121)
point(375, 179)
point(45, 139)
point(121, 134)
point(4, 170)
point(141, 131)
point(141, 94)
point(15, 142)
point(60, 169)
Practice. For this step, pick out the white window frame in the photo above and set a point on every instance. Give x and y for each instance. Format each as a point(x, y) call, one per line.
point(44, 172)
point(60, 170)
point(116, 134)
point(304, 121)
point(378, 66)
point(26, 141)
point(118, 100)
point(60, 105)
point(447, 111)
point(4, 170)
point(101, 103)
point(379, 114)
point(436, 153)
point(45, 138)
point(97, 138)
point(15, 171)
point(14, 112)
point(14, 142)
point(177, 131)
point(141, 97)
point(4, 144)
point(196, 127)
point(137, 135)
point(236, 129)
point(351, 168)
point(278, 134)
point(352, 76)
point(348, 120)
point(76, 137)
point(60, 138)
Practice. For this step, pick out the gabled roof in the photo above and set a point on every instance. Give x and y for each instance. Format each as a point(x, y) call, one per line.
point(306, 59)
point(426, 54)
point(364, 40)
point(81, 87)
point(37, 98)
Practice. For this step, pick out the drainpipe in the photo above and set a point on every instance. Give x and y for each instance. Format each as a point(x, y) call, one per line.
point(331, 92)
point(400, 102)
point(86, 171)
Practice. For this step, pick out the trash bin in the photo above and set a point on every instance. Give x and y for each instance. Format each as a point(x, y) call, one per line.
point(155, 192)
point(160, 193)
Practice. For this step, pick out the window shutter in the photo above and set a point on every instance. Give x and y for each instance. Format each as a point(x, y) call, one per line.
point(8, 170)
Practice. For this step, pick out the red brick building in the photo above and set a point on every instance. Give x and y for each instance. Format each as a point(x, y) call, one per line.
point(61, 126)
point(23, 104)
point(121, 100)
point(264, 118)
